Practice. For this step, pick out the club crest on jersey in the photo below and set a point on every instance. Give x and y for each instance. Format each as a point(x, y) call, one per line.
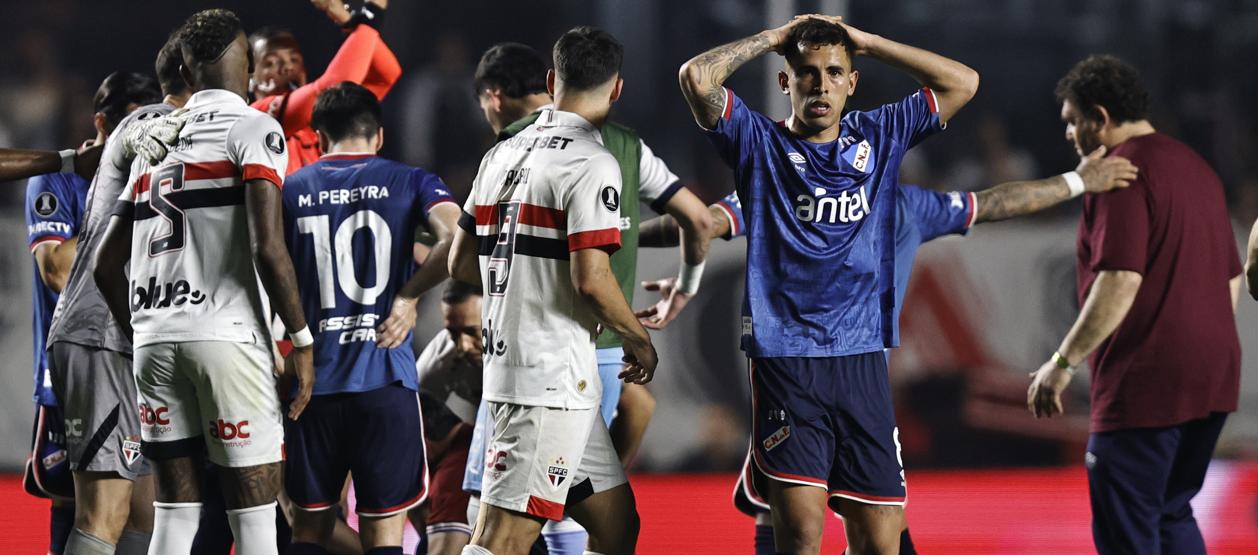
point(860, 156)
point(777, 438)
point(130, 450)
point(46, 204)
point(557, 472)
point(954, 200)
point(610, 198)
point(275, 143)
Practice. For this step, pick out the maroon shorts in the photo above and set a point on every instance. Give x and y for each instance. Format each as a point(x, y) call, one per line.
point(447, 502)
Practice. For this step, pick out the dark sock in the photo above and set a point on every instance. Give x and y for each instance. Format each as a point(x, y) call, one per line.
point(60, 523)
point(906, 543)
point(391, 550)
point(305, 549)
point(764, 540)
point(421, 546)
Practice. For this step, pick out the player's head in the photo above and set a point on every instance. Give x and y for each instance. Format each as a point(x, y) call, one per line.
point(348, 114)
point(215, 53)
point(587, 68)
point(1099, 94)
point(510, 82)
point(169, 58)
point(818, 74)
point(118, 95)
point(279, 66)
point(460, 308)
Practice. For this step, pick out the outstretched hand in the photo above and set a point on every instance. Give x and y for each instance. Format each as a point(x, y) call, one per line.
point(1102, 174)
point(670, 305)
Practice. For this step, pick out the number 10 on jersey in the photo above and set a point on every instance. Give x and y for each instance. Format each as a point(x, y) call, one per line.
point(335, 255)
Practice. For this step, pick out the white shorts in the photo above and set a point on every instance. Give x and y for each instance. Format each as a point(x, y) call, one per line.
point(218, 393)
point(537, 455)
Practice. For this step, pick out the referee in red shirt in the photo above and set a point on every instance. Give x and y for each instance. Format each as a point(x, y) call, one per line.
point(1158, 278)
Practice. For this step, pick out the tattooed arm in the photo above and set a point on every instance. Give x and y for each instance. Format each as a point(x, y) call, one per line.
point(1018, 198)
point(702, 77)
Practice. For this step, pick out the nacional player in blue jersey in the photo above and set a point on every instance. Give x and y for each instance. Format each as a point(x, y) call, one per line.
point(349, 219)
point(818, 193)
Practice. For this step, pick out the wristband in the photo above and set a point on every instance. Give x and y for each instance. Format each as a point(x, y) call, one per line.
point(688, 278)
point(301, 338)
point(1062, 363)
point(369, 14)
point(67, 160)
point(1074, 182)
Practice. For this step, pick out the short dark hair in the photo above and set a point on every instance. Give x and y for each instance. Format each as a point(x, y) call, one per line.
point(515, 68)
point(1105, 81)
point(817, 32)
point(119, 91)
point(169, 58)
point(346, 110)
point(586, 57)
point(274, 37)
point(206, 35)
point(458, 292)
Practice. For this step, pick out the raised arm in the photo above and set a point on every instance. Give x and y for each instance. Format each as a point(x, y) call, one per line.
point(18, 163)
point(442, 220)
point(953, 82)
point(1017, 198)
point(703, 77)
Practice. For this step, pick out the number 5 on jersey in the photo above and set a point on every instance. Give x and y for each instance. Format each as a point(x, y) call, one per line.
point(499, 267)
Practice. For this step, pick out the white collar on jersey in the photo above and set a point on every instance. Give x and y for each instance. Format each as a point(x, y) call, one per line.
point(550, 117)
point(213, 95)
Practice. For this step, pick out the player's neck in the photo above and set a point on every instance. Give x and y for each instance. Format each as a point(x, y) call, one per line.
point(176, 100)
point(354, 145)
point(810, 134)
point(586, 106)
point(1121, 133)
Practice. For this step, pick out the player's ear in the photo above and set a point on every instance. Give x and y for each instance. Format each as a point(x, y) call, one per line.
point(379, 138)
point(550, 81)
point(187, 76)
point(782, 82)
point(1101, 116)
point(99, 122)
point(617, 88)
point(324, 143)
point(852, 78)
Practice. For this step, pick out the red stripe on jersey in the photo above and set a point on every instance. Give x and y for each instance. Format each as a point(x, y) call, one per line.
point(930, 99)
point(140, 187)
point(259, 171)
point(544, 508)
point(529, 214)
point(194, 171)
point(606, 239)
point(729, 104)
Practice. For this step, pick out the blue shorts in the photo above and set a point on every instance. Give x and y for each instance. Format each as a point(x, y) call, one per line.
point(377, 435)
point(47, 472)
point(828, 423)
point(610, 363)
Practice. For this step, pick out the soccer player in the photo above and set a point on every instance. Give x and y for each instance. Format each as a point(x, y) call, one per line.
point(449, 370)
point(348, 220)
point(818, 192)
point(54, 211)
point(1158, 280)
point(921, 215)
point(196, 236)
point(511, 85)
point(92, 387)
point(537, 232)
point(279, 80)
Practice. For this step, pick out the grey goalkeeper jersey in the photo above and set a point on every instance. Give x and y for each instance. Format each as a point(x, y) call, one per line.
point(81, 316)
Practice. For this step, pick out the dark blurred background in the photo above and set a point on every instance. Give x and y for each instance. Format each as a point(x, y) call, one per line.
point(991, 305)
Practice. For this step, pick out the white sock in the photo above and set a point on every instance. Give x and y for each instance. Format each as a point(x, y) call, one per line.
point(470, 549)
point(174, 527)
point(254, 528)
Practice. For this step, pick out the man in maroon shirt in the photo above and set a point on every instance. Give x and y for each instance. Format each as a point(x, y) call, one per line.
point(1158, 280)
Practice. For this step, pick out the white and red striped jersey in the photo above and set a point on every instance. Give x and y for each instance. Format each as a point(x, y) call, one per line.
point(548, 191)
point(192, 274)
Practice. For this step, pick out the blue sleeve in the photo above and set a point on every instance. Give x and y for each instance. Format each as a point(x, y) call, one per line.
point(432, 191)
point(733, 209)
point(51, 210)
point(737, 131)
point(910, 120)
point(937, 214)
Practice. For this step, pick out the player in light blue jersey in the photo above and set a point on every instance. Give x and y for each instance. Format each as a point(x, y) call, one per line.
point(818, 193)
point(349, 219)
point(921, 216)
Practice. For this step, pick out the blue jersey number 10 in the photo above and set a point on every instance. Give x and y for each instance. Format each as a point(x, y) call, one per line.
point(339, 249)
